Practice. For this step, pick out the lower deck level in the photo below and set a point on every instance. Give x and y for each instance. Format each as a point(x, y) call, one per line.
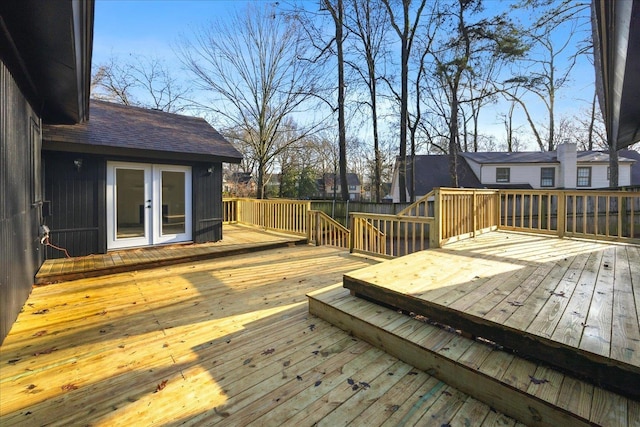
point(574, 304)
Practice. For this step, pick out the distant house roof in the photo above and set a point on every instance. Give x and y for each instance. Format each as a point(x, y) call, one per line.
point(537, 157)
point(635, 168)
point(240, 177)
point(433, 171)
point(138, 132)
point(502, 157)
point(352, 179)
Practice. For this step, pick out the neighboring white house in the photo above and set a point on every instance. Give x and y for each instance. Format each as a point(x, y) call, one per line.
point(563, 168)
point(326, 186)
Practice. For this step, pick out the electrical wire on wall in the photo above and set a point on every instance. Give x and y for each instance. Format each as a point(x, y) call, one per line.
point(46, 242)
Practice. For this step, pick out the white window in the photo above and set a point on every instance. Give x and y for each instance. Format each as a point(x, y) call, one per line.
point(584, 177)
point(547, 177)
point(503, 175)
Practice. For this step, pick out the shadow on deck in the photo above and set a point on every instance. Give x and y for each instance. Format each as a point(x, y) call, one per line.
point(236, 239)
point(561, 317)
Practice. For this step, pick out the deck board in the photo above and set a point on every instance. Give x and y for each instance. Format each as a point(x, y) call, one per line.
point(236, 239)
point(210, 342)
point(571, 303)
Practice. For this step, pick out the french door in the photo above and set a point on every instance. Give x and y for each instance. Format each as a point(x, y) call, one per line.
point(147, 204)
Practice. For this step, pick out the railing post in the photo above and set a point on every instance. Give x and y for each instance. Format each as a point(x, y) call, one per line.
point(435, 232)
point(474, 213)
point(317, 228)
point(352, 234)
point(561, 215)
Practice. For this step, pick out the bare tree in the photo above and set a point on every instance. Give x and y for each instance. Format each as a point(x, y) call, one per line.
point(367, 21)
point(548, 69)
point(337, 15)
point(250, 67)
point(139, 81)
point(461, 60)
point(406, 31)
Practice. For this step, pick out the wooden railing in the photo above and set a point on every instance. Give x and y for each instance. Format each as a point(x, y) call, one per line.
point(464, 213)
point(448, 214)
point(287, 216)
point(229, 211)
point(389, 235)
point(324, 230)
point(593, 214)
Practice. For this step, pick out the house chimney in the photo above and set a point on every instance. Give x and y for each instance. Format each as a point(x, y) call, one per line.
point(568, 157)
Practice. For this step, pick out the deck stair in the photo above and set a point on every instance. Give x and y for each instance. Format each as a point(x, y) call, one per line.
point(531, 392)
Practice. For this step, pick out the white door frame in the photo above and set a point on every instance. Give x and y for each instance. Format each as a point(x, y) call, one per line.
point(158, 237)
point(153, 213)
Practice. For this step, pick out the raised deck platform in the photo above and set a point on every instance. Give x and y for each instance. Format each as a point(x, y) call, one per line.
point(236, 240)
point(570, 303)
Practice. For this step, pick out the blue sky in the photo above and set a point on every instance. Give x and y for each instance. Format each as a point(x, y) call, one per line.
point(150, 27)
point(153, 28)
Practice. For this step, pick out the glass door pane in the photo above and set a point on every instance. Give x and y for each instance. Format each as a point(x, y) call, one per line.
point(130, 203)
point(173, 202)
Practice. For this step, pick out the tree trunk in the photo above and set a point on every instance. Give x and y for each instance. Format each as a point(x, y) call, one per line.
point(341, 119)
point(260, 183)
point(404, 102)
point(453, 145)
point(614, 180)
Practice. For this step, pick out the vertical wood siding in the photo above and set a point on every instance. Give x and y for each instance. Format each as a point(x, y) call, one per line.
point(20, 207)
point(207, 203)
point(77, 203)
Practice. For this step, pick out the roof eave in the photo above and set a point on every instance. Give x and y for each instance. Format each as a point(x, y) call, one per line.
point(48, 46)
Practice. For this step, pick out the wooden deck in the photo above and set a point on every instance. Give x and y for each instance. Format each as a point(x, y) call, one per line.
point(226, 341)
point(236, 239)
point(574, 304)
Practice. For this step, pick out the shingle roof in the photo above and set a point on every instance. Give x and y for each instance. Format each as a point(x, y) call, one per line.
point(135, 131)
point(352, 179)
point(521, 157)
point(635, 167)
point(433, 171)
point(536, 157)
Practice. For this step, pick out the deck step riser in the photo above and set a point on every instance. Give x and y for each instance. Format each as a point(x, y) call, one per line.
point(501, 396)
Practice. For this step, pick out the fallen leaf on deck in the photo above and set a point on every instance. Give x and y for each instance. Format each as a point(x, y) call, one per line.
point(69, 387)
point(446, 393)
point(317, 383)
point(39, 334)
point(538, 380)
point(350, 381)
point(412, 373)
point(13, 361)
point(394, 408)
point(286, 363)
point(43, 311)
point(31, 386)
point(268, 351)
point(223, 414)
point(355, 387)
point(558, 294)
point(47, 351)
point(364, 384)
point(102, 313)
point(312, 327)
point(315, 352)
point(160, 386)
point(298, 377)
point(247, 361)
point(515, 303)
